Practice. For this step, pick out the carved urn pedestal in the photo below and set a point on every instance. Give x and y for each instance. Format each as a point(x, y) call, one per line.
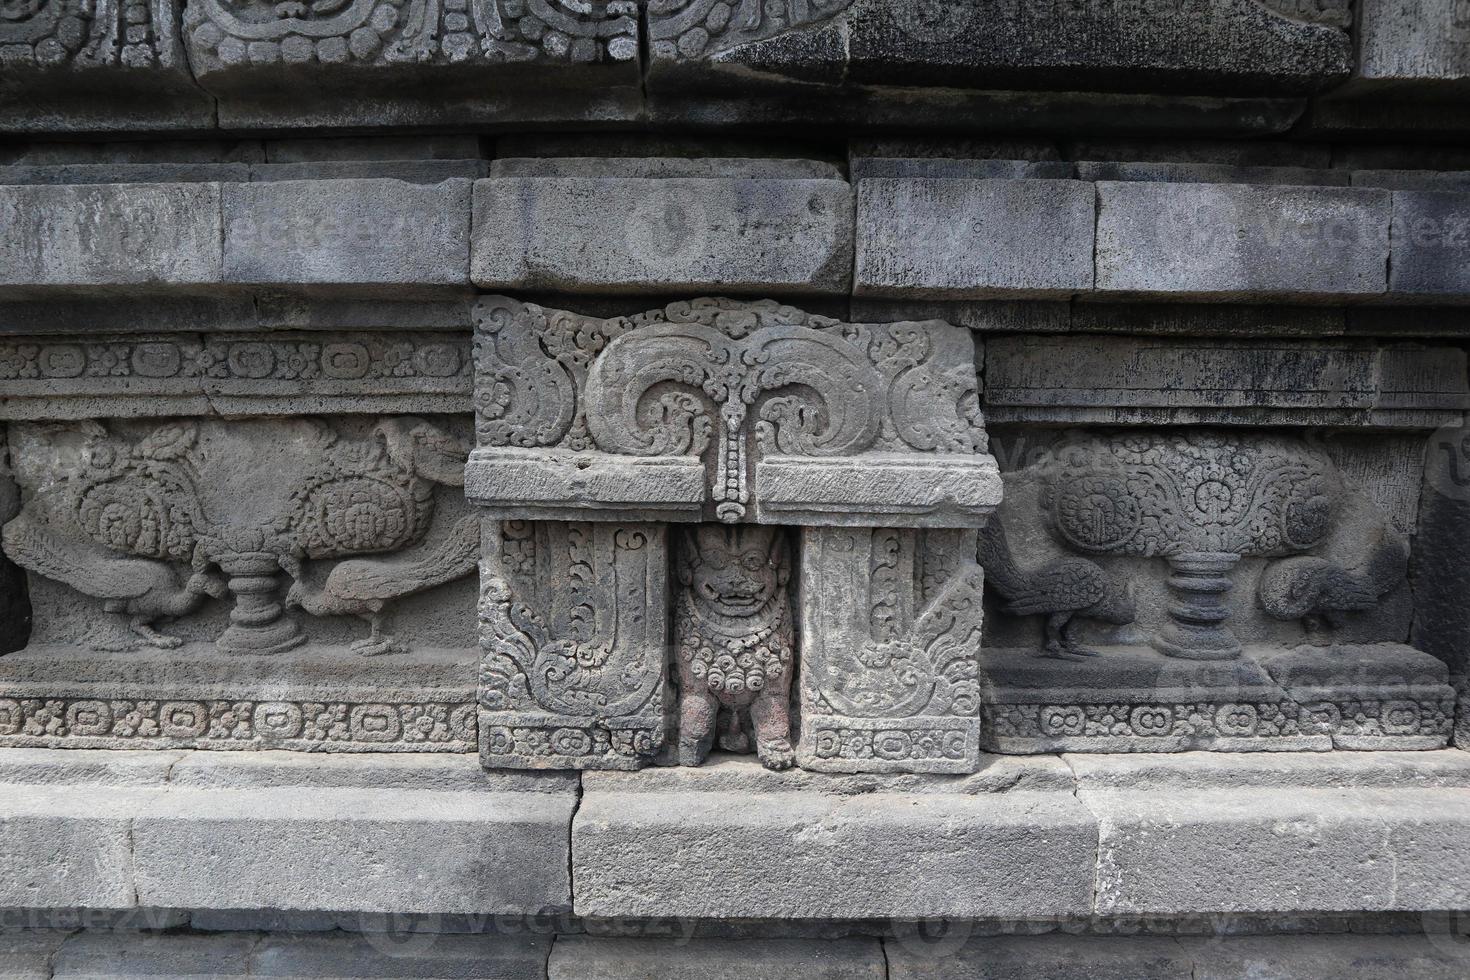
point(1199, 583)
point(258, 623)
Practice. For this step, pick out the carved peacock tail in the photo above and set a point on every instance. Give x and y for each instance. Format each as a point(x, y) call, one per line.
point(996, 558)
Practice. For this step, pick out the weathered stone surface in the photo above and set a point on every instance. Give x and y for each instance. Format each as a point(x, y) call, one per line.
point(705, 409)
point(354, 234)
point(1056, 957)
point(1413, 180)
point(591, 958)
point(104, 375)
point(68, 847)
point(889, 673)
point(109, 237)
point(972, 239)
point(1239, 241)
point(1210, 173)
point(28, 955)
point(714, 168)
point(156, 520)
point(101, 954)
point(15, 607)
point(1431, 243)
point(864, 168)
point(1433, 957)
point(1173, 381)
point(368, 64)
point(1440, 569)
point(402, 956)
point(113, 66)
point(732, 840)
point(1241, 46)
point(1414, 45)
point(573, 634)
point(583, 234)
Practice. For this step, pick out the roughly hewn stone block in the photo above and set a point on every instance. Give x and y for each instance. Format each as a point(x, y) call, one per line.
point(973, 239)
point(1159, 381)
point(1440, 567)
point(402, 955)
point(1431, 244)
point(592, 958)
point(1056, 957)
point(94, 955)
point(1242, 241)
point(584, 234)
point(109, 237)
point(1209, 173)
point(349, 233)
point(732, 840)
point(1430, 957)
point(29, 955)
point(68, 846)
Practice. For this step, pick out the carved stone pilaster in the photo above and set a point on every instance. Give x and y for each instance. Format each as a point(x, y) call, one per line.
point(891, 623)
point(573, 641)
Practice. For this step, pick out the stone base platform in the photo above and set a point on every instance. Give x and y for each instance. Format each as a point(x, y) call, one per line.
point(52, 953)
point(312, 699)
point(1273, 699)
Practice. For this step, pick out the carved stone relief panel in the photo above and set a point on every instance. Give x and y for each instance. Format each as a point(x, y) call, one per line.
point(891, 622)
point(249, 566)
point(573, 642)
point(1200, 588)
point(730, 411)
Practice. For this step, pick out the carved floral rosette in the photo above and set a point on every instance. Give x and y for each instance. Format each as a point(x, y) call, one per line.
point(573, 640)
point(66, 35)
point(722, 410)
point(891, 622)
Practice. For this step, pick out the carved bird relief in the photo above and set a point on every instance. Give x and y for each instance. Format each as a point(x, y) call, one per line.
point(144, 591)
point(364, 587)
point(1317, 591)
point(1061, 590)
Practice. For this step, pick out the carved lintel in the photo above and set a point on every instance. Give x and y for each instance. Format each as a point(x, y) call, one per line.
point(718, 410)
point(891, 622)
point(573, 640)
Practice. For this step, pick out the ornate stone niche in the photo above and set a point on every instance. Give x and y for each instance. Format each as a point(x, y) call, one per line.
point(745, 421)
point(1231, 589)
point(217, 583)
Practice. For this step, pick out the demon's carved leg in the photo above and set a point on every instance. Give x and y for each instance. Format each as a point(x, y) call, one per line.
point(771, 717)
point(697, 713)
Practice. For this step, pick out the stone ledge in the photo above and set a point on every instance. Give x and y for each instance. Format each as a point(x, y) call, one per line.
point(276, 831)
point(1164, 835)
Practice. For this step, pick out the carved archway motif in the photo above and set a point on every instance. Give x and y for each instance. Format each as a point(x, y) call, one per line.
point(668, 388)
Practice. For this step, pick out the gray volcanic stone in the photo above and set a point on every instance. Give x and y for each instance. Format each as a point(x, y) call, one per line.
point(1418, 43)
point(973, 239)
point(1439, 567)
point(864, 168)
point(1430, 957)
point(1413, 180)
point(1056, 957)
point(404, 954)
point(28, 955)
point(102, 954)
point(1236, 241)
point(592, 958)
point(625, 234)
point(68, 846)
point(697, 842)
point(743, 168)
point(108, 237)
point(1209, 173)
point(350, 233)
point(1431, 244)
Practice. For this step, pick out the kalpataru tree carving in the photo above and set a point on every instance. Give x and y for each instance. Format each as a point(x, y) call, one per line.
point(573, 636)
point(726, 414)
point(193, 510)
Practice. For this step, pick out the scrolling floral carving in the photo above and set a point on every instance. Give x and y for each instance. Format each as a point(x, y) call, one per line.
point(694, 28)
point(573, 633)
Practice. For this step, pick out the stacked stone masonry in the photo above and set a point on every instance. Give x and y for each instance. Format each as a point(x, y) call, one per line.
point(694, 488)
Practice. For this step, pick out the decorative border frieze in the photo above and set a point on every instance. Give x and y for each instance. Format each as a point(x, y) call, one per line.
point(296, 725)
point(238, 374)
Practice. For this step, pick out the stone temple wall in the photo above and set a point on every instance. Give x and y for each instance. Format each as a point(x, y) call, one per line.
point(592, 489)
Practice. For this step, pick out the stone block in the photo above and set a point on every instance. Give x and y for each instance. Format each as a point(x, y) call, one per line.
point(1056, 957)
point(757, 844)
point(401, 956)
point(234, 837)
point(1440, 567)
point(1239, 47)
point(1293, 957)
point(865, 168)
point(109, 375)
point(1278, 849)
point(1242, 241)
point(1414, 180)
point(1413, 46)
point(29, 955)
point(1431, 245)
point(974, 239)
point(593, 958)
point(381, 234)
point(98, 955)
point(365, 65)
point(1137, 700)
point(729, 235)
point(1210, 173)
point(109, 238)
point(67, 846)
point(891, 622)
point(711, 168)
point(1129, 380)
point(116, 67)
point(1378, 697)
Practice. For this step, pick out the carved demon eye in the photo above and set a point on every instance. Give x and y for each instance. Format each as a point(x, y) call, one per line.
point(753, 561)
